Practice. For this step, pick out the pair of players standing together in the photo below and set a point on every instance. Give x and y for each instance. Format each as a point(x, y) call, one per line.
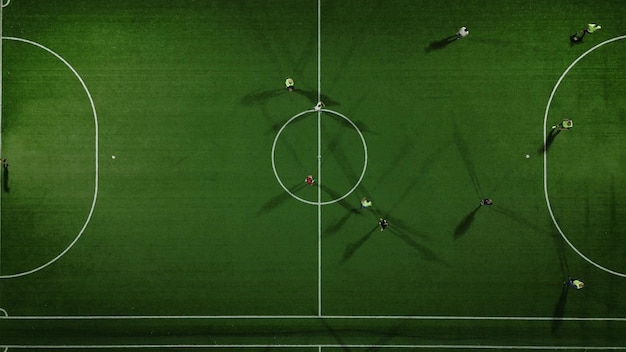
point(365, 203)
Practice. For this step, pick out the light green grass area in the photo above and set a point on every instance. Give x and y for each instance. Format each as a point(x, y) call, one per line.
point(190, 221)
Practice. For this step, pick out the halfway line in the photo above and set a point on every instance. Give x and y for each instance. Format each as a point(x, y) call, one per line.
point(319, 164)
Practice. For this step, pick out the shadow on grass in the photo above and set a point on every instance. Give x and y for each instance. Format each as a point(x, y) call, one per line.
point(467, 158)
point(335, 335)
point(549, 140)
point(337, 225)
point(279, 199)
point(396, 162)
point(336, 195)
point(425, 252)
point(5, 178)
point(278, 125)
point(559, 244)
point(335, 150)
point(406, 234)
point(440, 44)
point(465, 223)
point(313, 97)
point(520, 220)
point(559, 310)
point(261, 97)
point(353, 247)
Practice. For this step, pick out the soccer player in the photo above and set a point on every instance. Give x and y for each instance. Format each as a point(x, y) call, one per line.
point(383, 224)
point(577, 284)
point(486, 201)
point(566, 124)
point(578, 36)
point(289, 84)
point(365, 203)
point(462, 33)
point(319, 106)
point(592, 27)
point(309, 180)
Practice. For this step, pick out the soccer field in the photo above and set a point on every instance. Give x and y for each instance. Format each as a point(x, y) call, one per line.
point(153, 192)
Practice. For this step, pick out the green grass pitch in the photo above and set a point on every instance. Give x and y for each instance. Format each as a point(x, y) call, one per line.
point(144, 209)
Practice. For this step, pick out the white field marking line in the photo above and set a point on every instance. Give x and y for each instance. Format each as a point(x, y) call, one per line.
point(545, 159)
point(7, 3)
point(95, 195)
point(319, 163)
point(274, 161)
point(311, 317)
point(319, 213)
point(476, 347)
point(1, 83)
point(319, 50)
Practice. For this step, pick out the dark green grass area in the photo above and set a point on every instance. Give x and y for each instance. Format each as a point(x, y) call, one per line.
point(586, 164)
point(191, 221)
point(349, 334)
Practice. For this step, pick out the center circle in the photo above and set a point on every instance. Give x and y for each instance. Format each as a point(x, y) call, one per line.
point(274, 161)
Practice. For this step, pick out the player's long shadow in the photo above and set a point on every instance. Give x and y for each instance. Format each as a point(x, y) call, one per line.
point(513, 215)
point(549, 140)
point(386, 334)
point(467, 158)
point(440, 44)
point(359, 124)
point(426, 165)
point(279, 199)
point(406, 234)
point(5, 178)
point(397, 330)
point(353, 247)
point(465, 223)
point(334, 334)
point(336, 195)
point(425, 252)
point(558, 241)
point(261, 97)
point(285, 141)
point(278, 125)
point(335, 150)
point(337, 225)
point(559, 310)
point(312, 97)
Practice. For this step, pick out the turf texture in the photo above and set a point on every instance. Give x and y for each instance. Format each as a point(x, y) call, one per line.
point(190, 220)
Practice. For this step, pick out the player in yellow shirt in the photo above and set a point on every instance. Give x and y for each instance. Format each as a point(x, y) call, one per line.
point(578, 36)
point(577, 284)
point(289, 84)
